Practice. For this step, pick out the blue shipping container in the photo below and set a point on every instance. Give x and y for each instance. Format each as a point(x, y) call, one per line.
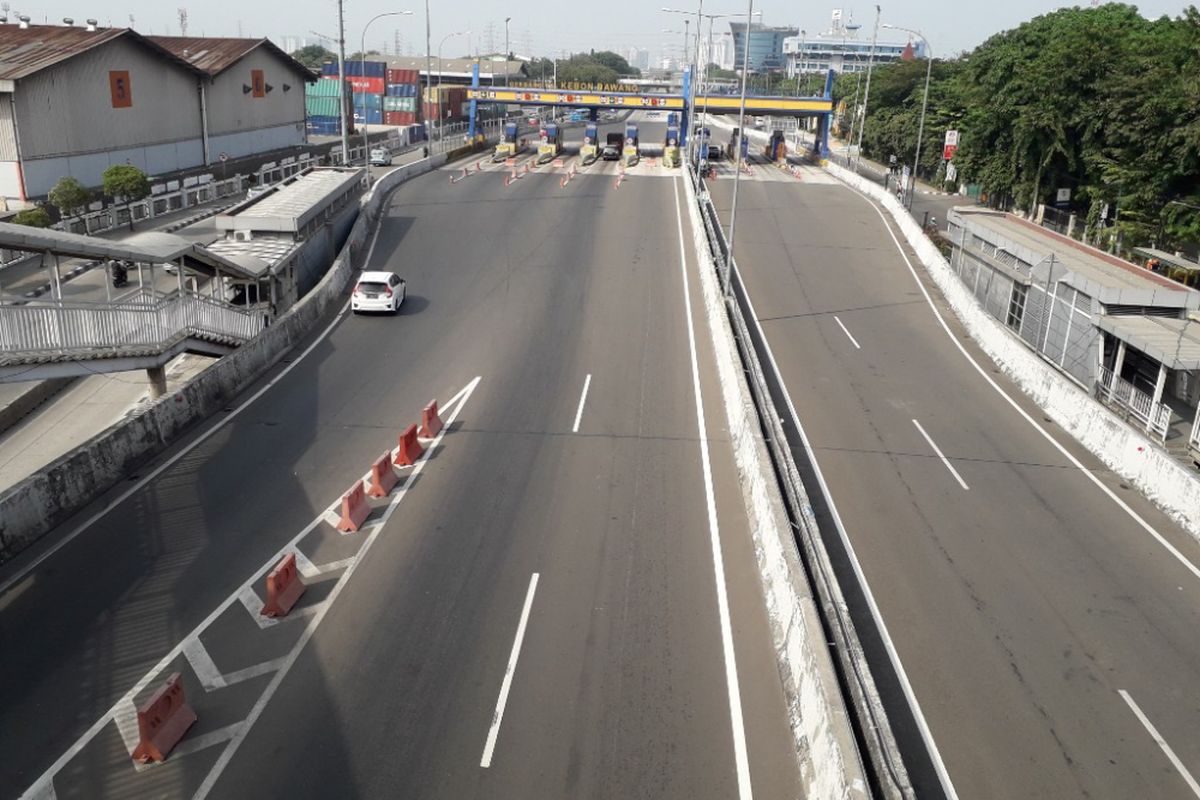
point(368, 116)
point(401, 90)
point(329, 68)
point(365, 69)
point(372, 101)
point(416, 133)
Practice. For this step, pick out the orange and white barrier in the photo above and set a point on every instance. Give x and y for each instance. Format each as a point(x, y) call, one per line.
point(162, 721)
point(284, 587)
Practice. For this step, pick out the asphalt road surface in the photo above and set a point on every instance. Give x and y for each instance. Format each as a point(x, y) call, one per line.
point(426, 659)
point(1049, 637)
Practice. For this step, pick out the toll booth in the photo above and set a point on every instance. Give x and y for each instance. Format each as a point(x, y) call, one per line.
point(591, 143)
point(510, 142)
point(776, 149)
point(630, 154)
point(671, 156)
point(736, 140)
point(550, 146)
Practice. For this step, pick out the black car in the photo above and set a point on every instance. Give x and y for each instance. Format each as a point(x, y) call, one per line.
point(610, 153)
point(715, 153)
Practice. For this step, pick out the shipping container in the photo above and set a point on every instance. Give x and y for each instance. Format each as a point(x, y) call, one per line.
point(329, 68)
point(402, 76)
point(326, 88)
point(374, 86)
point(324, 126)
point(322, 106)
point(368, 116)
point(374, 101)
point(400, 104)
point(402, 90)
point(399, 118)
point(365, 69)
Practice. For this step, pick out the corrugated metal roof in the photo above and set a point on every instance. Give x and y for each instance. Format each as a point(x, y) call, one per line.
point(215, 54)
point(457, 65)
point(25, 51)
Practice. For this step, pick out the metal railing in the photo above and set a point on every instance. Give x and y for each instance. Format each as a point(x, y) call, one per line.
point(145, 319)
point(1115, 390)
point(1194, 438)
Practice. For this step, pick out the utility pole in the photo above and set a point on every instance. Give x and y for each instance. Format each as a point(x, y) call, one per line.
point(428, 68)
point(867, 88)
point(342, 84)
point(741, 138)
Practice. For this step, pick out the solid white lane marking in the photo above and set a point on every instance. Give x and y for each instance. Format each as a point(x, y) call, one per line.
point(942, 456)
point(202, 664)
point(582, 399)
point(1146, 526)
point(206, 740)
point(1161, 742)
point(845, 331)
point(498, 716)
point(890, 646)
point(290, 659)
point(123, 713)
point(741, 759)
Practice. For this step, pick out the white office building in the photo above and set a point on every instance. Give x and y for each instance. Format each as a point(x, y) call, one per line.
point(845, 47)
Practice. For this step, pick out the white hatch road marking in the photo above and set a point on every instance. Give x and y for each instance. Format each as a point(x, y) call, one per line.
point(498, 716)
point(853, 341)
point(202, 664)
point(192, 445)
point(1162, 743)
point(942, 456)
point(889, 645)
point(582, 399)
point(741, 759)
point(123, 713)
point(1146, 526)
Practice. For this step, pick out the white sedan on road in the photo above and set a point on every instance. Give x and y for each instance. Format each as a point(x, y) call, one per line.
point(378, 291)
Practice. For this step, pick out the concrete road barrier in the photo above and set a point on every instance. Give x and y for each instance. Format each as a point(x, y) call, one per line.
point(355, 509)
point(162, 721)
point(383, 477)
point(410, 449)
point(284, 587)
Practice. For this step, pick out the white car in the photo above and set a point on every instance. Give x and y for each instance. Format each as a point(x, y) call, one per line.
point(381, 157)
point(378, 291)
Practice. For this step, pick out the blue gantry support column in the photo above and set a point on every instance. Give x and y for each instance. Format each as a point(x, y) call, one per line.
point(821, 141)
point(473, 111)
point(686, 116)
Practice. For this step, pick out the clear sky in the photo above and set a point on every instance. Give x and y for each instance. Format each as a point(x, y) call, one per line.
point(951, 25)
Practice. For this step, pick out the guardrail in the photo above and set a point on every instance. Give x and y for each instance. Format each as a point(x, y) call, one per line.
point(1117, 391)
point(44, 328)
point(872, 726)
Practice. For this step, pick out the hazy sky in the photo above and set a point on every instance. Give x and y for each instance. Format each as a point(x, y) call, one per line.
point(951, 25)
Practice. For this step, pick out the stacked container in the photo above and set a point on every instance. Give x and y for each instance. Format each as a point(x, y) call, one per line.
point(400, 106)
point(321, 103)
point(446, 103)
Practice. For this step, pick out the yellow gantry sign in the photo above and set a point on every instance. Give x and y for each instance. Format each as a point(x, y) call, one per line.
point(543, 97)
point(729, 104)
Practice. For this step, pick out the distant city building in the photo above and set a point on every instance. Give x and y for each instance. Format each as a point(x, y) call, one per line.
point(843, 48)
point(638, 58)
point(765, 43)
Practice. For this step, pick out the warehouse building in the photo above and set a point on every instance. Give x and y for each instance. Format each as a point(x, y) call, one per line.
point(75, 100)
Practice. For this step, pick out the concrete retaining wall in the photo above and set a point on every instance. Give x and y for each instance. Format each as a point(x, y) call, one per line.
point(1172, 486)
point(824, 742)
point(37, 504)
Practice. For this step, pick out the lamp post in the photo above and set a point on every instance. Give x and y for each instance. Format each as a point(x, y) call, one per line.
point(800, 60)
point(701, 76)
point(506, 51)
point(362, 54)
point(741, 138)
point(867, 90)
point(924, 104)
point(439, 83)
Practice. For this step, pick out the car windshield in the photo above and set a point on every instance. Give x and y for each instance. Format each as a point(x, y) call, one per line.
point(371, 286)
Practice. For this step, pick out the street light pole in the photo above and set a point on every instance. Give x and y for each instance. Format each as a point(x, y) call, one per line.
point(362, 52)
point(506, 51)
point(428, 72)
point(342, 85)
point(439, 83)
point(867, 90)
point(741, 138)
point(800, 60)
point(924, 105)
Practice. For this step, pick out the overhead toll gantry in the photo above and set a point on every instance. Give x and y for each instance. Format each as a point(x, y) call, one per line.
point(771, 106)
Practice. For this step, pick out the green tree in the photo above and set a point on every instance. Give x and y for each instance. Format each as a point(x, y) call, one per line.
point(69, 196)
point(616, 63)
point(33, 217)
point(126, 182)
point(313, 56)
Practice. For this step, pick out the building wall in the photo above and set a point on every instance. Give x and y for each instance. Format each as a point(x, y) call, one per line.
point(232, 109)
point(261, 140)
point(154, 159)
point(68, 109)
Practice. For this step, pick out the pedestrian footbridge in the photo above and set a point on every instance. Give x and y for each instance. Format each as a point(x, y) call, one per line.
point(143, 326)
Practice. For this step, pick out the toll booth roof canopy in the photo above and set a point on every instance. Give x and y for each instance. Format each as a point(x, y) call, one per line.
point(1110, 279)
point(291, 207)
point(146, 247)
point(1173, 342)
